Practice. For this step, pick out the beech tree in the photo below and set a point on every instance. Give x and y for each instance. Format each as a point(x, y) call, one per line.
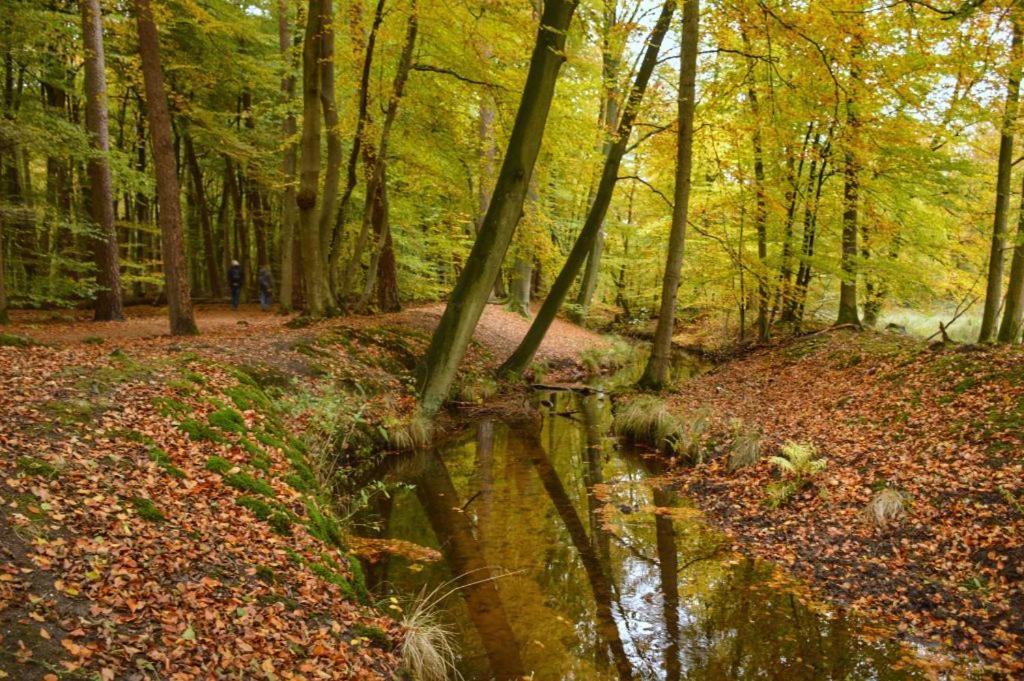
point(179, 295)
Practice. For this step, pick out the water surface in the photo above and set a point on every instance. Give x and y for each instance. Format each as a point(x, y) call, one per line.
point(575, 561)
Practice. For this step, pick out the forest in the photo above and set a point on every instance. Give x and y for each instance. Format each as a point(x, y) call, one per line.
point(281, 281)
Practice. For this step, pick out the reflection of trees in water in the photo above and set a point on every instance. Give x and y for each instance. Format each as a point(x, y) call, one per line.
point(465, 559)
point(748, 629)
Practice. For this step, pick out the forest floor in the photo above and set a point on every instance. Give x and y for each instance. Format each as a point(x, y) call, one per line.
point(942, 425)
point(168, 505)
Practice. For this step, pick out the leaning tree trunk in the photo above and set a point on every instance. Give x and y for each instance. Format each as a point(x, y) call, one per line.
point(1013, 314)
point(467, 301)
point(289, 217)
point(523, 355)
point(1004, 167)
point(179, 297)
point(101, 191)
point(656, 372)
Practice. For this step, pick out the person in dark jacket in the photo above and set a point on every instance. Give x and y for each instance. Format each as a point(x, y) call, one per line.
point(266, 285)
point(235, 282)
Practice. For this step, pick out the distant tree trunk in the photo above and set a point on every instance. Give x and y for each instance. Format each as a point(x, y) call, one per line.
point(611, 58)
point(341, 283)
point(1013, 315)
point(467, 301)
point(522, 278)
point(1004, 168)
point(523, 355)
point(5, 317)
point(656, 372)
point(376, 212)
point(179, 297)
point(318, 301)
point(289, 217)
point(210, 253)
point(784, 291)
point(760, 210)
point(329, 105)
point(388, 298)
point(101, 190)
point(851, 190)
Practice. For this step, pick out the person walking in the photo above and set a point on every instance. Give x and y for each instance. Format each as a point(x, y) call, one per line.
point(235, 282)
point(266, 286)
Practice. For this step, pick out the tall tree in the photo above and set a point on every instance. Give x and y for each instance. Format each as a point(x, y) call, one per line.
point(289, 161)
point(466, 304)
point(1004, 167)
point(179, 296)
point(1013, 314)
point(848, 313)
point(656, 372)
point(101, 191)
point(523, 355)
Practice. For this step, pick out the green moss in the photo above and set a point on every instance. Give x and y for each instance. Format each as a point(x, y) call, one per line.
point(330, 576)
point(248, 483)
point(219, 464)
point(259, 508)
point(227, 419)
point(249, 397)
point(194, 377)
point(297, 483)
point(15, 341)
point(965, 385)
point(30, 465)
point(93, 340)
point(323, 525)
point(75, 410)
point(198, 431)
point(160, 457)
point(376, 635)
point(268, 440)
point(281, 523)
point(147, 510)
point(170, 407)
point(266, 574)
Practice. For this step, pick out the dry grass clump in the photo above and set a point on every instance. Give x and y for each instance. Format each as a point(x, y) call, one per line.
point(646, 419)
point(886, 508)
point(428, 651)
point(410, 434)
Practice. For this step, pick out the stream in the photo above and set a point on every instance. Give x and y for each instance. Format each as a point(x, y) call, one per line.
point(573, 560)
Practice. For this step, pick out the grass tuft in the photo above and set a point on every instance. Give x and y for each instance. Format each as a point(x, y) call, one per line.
point(228, 420)
point(147, 510)
point(745, 449)
point(30, 465)
point(886, 508)
point(646, 419)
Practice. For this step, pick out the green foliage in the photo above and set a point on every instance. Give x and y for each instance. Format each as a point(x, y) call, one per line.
point(799, 463)
point(93, 340)
point(322, 524)
point(745, 447)
point(248, 483)
point(170, 407)
point(249, 397)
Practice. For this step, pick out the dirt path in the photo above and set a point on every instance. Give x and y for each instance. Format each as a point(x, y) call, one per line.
point(499, 330)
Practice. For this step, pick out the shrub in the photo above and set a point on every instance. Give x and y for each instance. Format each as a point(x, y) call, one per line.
point(887, 507)
point(798, 462)
point(745, 449)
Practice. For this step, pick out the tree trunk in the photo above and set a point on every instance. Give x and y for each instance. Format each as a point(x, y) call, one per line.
point(523, 355)
point(329, 105)
point(101, 191)
point(466, 304)
point(341, 283)
point(656, 372)
point(179, 297)
point(318, 300)
point(1004, 167)
point(522, 277)
point(851, 189)
point(210, 254)
point(289, 217)
point(760, 209)
point(388, 299)
point(376, 212)
point(1013, 315)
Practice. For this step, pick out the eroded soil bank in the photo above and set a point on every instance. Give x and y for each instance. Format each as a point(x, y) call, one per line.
point(942, 425)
